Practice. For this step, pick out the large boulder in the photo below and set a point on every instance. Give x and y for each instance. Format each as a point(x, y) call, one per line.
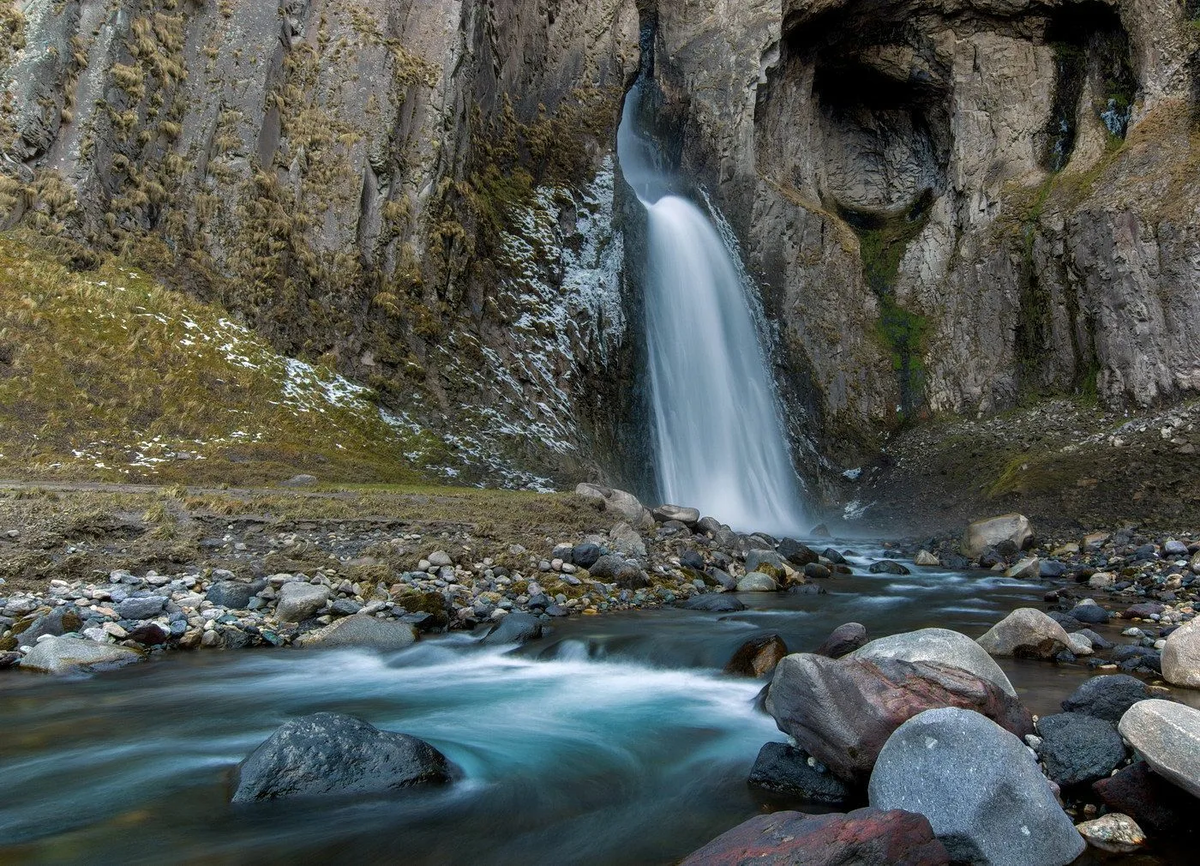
point(938, 645)
point(796, 553)
point(1148, 798)
point(299, 600)
point(361, 631)
point(843, 640)
point(332, 753)
point(1107, 697)
point(843, 711)
point(689, 517)
point(517, 627)
point(1026, 633)
point(979, 787)
point(766, 561)
point(983, 534)
point(757, 656)
point(1181, 656)
point(613, 569)
point(864, 837)
point(788, 772)
point(60, 621)
point(1167, 736)
point(756, 581)
point(1078, 749)
point(619, 502)
point(67, 655)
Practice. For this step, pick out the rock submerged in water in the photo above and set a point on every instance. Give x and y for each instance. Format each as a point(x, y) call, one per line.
point(888, 566)
point(1148, 798)
point(331, 754)
point(714, 602)
point(979, 787)
point(786, 771)
point(843, 711)
point(517, 627)
point(864, 837)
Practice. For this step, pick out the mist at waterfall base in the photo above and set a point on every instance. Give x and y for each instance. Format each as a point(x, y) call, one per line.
point(719, 439)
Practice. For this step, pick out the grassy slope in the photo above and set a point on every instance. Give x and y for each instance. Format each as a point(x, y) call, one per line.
point(107, 375)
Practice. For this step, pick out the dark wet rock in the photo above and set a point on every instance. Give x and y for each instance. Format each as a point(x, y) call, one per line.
point(757, 656)
point(146, 607)
point(614, 569)
point(1068, 622)
point(692, 559)
point(585, 555)
point(807, 589)
point(864, 837)
point(980, 788)
point(232, 594)
point(1148, 798)
point(714, 602)
point(843, 640)
point(539, 601)
point(330, 754)
point(888, 566)
point(1090, 614)
point(344, 607)
point(1051, 569)
point(842, 711)
point(709, 525)
point(820, 531)
point(796, 553)
point(723, 578)
point(150, 634)
point(1107, 697)
point(1145, 553)
point(9, 659)
point(833, 556)
point(787, 772)
point(1078, 749)
point(1099, 641)
point(816, 571)
point(517, 627)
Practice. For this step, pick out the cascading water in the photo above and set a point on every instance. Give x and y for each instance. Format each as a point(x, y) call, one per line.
point(719, 438)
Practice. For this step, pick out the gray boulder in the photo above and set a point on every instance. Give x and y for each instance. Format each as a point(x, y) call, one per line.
point(299, 600)
point(330, 754)
point(982, 534)
point(1167, 736)
point(1026, 633)
point(66, 655)
point(619, 502)
point(614, 569)
point(796, 553)
point(146, 607)
point(60, 621)
point(231, 594)
point(625, 539)
point(938, 645)
point(1107, 697)
point(1078, 749)
point(766, 561)
point(979, 787)
point(689, 517)
point(888, 566)
point(756, 581)
point(361, 631)
point(787, 772)
point(517, 627)
point(1181, 656)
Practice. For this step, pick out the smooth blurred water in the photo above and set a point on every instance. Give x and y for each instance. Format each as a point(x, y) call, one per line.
point(720, 443)
point(614, 740)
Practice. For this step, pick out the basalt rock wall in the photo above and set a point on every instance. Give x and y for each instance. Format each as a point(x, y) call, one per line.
point(952, 207)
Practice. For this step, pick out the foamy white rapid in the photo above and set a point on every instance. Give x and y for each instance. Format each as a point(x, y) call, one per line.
point(719, 438)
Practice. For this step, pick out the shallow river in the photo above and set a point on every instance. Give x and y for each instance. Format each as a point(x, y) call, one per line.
point(614, 740)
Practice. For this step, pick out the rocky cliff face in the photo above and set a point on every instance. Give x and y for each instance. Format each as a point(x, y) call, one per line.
point(954, 206)
point(406, 188)
point(949, 207)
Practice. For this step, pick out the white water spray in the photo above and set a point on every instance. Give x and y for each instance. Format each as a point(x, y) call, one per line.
point(719, 438)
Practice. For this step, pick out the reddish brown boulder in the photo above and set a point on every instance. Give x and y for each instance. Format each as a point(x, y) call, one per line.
point(865, 837)
point(842, 711)
point(757, 656)
point(1157, 805)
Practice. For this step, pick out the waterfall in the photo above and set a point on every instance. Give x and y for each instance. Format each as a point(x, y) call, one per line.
point(719, 437)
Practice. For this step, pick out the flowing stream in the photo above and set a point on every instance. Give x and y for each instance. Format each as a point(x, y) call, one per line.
point(613, 740)
point(719, 439)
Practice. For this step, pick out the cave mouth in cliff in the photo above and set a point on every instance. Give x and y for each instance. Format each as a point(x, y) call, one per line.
point(883, 117)
point(1094, 78)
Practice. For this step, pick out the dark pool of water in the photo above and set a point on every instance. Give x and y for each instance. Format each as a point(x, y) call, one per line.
point(614, 740)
